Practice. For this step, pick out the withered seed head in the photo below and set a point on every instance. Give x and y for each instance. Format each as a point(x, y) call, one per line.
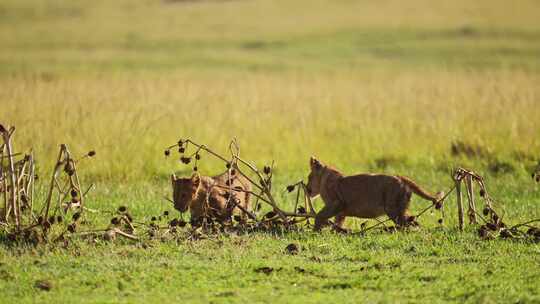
point(185, 160)
point(301, 210)
point(485, 211)
point(197, 156)
point(440, 221)
point(122, 209)
point(59, 218)
point(506, 234)
point(92, 153)
point(491, 226)
point(195, 169)
point(290, 188)
point(73, 193)
point(166, 213)
point(72, 228)
point(167, 152)
point(173, 223)
point(182, 223)
point(270, 214)
point(228, 165)
point(52, 219)
point(181, 150)
point(438, 205)
point(482, 192)
point(76, 216)
point(266, 170)
point(153, 219)
point(115, 221)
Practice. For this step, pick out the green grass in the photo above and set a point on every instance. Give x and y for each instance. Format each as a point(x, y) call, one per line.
point(368, 87)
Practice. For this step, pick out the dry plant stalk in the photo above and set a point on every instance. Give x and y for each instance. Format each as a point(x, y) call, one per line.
point(17, 180)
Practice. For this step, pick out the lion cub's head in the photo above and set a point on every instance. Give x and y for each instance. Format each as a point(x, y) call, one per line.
point(184, 191)
point(314, 177)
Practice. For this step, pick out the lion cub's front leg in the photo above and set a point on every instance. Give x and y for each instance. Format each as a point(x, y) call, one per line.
point(328, 211)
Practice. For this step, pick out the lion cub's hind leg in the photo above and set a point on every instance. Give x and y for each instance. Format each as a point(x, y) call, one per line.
point(397, 208)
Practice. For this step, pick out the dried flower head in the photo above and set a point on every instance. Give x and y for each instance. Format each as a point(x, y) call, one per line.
point(440, 221)
point(301, 210)
point(181, 150)
point(69, 167)
point(195, 169)
point(91, 153)
point(76, 216)
point(290, 188)
point(482, 192)
point(197, 156)
point(72, 227)
point(185, 160)
point(267, 170)
point(52, 219)
point(486, 211)
point(59, 219)
point(74, 193)
point(491, 226)
point(115, 221)
point(167, 152)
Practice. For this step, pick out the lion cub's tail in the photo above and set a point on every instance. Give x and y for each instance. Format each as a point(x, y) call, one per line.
point(419, 191)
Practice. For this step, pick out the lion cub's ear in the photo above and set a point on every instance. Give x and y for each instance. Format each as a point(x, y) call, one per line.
point(314, 163)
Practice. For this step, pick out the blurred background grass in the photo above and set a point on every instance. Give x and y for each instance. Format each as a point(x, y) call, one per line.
point(355, 82)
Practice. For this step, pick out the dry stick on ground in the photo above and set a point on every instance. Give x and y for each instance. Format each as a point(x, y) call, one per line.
point(470, 195)
point(459, 197)
point(53, 179)
point(13, 198)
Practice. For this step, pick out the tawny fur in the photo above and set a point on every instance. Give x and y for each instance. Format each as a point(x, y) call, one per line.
point(362, 195)
point(204, 198)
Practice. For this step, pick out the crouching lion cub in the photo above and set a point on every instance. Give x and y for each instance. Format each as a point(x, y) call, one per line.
point(207, 197)
point(362, 195)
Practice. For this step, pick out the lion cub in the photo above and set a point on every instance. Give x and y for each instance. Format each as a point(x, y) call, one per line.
point(362, 195)
point(207, 197)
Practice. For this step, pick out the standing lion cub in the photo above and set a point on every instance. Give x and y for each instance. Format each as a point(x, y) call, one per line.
point(208, 197)
point(362, 195)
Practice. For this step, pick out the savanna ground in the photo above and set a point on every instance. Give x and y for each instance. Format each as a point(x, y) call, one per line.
point(381, 86)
